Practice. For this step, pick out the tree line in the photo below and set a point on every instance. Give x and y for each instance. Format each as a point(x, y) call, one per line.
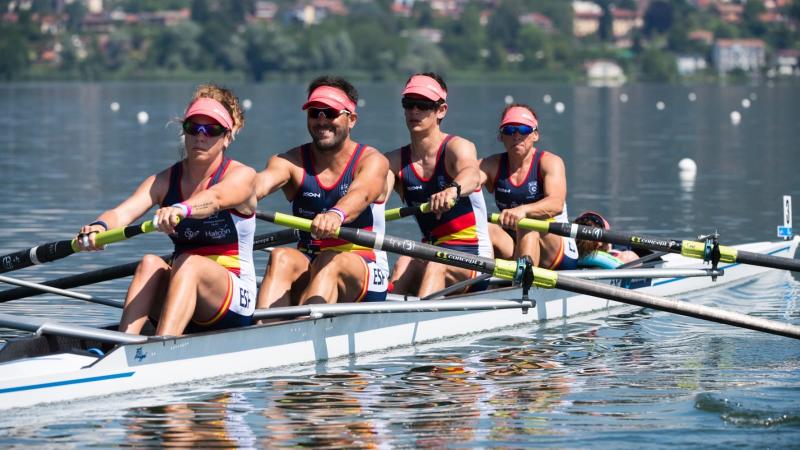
point(369, 42)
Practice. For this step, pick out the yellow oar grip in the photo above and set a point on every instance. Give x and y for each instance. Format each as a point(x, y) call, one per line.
point(542, 278)
point(541, 226)
point(392, 214)
point(288, 220)
point(694, 249)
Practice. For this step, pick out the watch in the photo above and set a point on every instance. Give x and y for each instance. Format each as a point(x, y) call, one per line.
point(455, 185)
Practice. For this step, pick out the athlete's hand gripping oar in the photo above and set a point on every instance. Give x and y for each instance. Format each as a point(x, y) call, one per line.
point(61, 249)
point(261, 241)
point(542, 278)
point(690, 249)
point(405, 211)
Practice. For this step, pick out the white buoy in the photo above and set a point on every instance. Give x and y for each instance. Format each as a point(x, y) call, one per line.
point(745, 103)
point(547, 99)
point(736, 117)
point(114, 106)
point(508, 99)
point(687, 166)
point(692, 96)
point(362, 103)
point(623, 97)
point(559, 107)
point(143, 117)
point(753, 96)
point(247, 104)
point(660, 105)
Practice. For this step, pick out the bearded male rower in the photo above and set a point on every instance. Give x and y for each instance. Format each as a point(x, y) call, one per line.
point(527, 183)
point(442, 169)
point(334, 181)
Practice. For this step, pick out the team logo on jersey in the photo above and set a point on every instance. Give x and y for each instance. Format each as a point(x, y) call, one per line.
point(415, 187)
point(312, 194)
point(343, 189)
point(533, 186)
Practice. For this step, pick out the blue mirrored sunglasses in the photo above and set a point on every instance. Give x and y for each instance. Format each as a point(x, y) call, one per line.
point(210, 130)
point(524, 130)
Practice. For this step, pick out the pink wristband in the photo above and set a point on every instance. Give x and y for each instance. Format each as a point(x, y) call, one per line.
point(187, 210)
point(339, 212)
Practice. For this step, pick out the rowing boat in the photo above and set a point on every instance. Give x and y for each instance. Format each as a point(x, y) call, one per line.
point(66, 363)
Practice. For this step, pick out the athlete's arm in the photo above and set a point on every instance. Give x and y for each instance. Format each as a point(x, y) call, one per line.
point(275, 175)
point(234, 191)
point(461, 162)
point(363, 191)
point(149, 193)
point(488, 168)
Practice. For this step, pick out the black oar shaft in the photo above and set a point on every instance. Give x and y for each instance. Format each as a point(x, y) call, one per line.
point(277, 238)
point(775, 262)
point(61, 249)
point(676, 306)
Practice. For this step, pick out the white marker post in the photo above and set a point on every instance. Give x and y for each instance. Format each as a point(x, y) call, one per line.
point(786, 230)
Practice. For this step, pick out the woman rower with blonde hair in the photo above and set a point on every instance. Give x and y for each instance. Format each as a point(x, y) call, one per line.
point(206, 204)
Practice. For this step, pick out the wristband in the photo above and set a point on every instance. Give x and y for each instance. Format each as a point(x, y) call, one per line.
point(101, 223)
point(338, 212)
point(187, 210)
point(455, 185)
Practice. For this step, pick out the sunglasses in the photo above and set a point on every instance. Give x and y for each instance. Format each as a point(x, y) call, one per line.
point(325, 113)
point(210, 129)
point(420, 104)
point(524, 130)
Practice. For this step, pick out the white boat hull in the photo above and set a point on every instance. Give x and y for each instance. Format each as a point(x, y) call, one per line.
point(68, 376)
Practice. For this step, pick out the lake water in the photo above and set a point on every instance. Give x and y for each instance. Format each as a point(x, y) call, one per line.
point(646, 379)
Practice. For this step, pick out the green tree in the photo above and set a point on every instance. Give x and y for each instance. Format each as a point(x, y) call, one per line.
point(464, 38)
point(423, 55)
point(503, 26)
point(658, 17)
point(657, 65)
point(13, 52)
point(751, 17)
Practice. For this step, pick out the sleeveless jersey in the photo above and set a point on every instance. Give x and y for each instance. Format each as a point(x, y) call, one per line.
point(226, 237)
point(313, 198)
point(464, 226)
point(531, 189)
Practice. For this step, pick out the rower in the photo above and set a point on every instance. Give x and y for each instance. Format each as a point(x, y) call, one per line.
point(332, 180)
point(599, 254)
point(441, 169)
point(207, 206)
point(527, 183)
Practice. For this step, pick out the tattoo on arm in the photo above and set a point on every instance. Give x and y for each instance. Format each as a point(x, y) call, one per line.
point(204, 207)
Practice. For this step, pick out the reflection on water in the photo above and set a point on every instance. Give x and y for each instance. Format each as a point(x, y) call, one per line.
point(216, 422)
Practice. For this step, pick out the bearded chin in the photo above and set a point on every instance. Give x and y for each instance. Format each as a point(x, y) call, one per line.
point(330, 145)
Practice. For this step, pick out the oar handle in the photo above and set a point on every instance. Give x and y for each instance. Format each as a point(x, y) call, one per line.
point(119, 234)
point(405, 211)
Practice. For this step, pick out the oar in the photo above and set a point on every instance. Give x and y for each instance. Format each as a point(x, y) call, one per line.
point(43, 326)
point(542, 278)
point(690, 249)
point(339, 309)
point(63, 292)
point(273, 239)
point(405, 211)
point(61, 249)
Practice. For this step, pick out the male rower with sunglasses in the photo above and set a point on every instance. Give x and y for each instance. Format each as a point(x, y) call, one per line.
point(335, 182)
point(442, 169)
point(527, 183)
